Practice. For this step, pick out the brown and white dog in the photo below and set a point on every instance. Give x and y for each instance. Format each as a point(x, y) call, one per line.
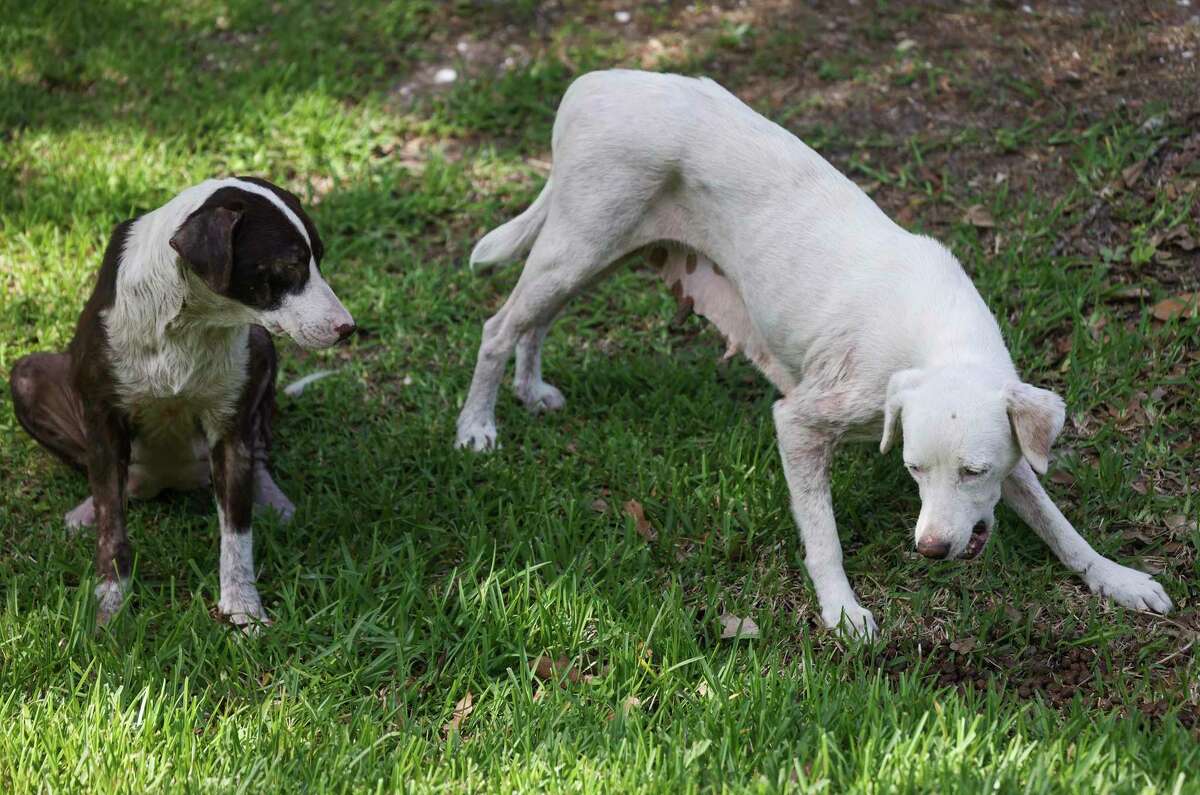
point(171, 373)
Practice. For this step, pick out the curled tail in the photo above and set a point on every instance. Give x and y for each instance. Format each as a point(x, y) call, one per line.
point(513, 239)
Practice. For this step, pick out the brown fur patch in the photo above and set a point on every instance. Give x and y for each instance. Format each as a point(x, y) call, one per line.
point(702, 289)
point(685, 310)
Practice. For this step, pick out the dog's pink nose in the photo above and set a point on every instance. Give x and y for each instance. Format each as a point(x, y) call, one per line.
point(933, 548)
point(345, 330)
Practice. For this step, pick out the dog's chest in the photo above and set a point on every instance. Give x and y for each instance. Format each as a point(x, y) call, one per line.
point(171, 384)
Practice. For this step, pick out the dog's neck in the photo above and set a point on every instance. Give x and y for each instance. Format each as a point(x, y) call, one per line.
point(965, 337)
point(157, 296)
point(951, 325)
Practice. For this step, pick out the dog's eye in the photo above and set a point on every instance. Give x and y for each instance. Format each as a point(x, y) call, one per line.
point(971, 472)
point(915, 469)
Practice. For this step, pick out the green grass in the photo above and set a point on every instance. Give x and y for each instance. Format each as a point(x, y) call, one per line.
point(414, 574)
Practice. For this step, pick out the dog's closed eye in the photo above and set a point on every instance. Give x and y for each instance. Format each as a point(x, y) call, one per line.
point(968, 472)
point(916, 469)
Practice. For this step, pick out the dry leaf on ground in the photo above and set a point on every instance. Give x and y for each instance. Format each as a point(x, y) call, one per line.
point(978, 216)
point(1130, 175)
point(1182, 305)
point(630, 704)
point(644, 528)
point(737, 627)
point(549, 670)
point(1177, 522)
point(464, 707)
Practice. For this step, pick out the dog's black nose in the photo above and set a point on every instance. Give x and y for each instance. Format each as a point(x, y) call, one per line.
point(933, 548)
point(345, 330)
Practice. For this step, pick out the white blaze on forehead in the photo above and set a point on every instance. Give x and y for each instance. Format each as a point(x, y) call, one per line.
point(273, 197)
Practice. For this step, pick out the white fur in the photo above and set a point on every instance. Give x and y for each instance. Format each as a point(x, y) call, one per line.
point(312, 317)
point(110, 597)
point(846, 312)
point(239, 597)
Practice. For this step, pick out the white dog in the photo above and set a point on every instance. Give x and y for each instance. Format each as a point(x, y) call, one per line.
point(851, 317)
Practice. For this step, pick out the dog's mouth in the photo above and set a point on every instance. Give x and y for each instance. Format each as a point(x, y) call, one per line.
point(979, 538)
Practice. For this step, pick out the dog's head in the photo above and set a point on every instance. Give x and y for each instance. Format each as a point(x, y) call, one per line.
point(964, 430)
point(252, 246)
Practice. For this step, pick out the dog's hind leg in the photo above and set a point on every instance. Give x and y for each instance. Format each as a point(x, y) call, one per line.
point(49, 408)
point(535, 393)
point(553, 274)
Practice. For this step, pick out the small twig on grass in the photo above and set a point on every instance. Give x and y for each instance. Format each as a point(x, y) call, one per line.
point(1175, 653)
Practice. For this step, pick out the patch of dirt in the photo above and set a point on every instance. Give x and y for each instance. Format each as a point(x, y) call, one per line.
point(957, 90)
point(1069, 669)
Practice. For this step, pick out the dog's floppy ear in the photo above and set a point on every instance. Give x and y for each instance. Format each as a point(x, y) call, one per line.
point(205, 242)
point(897, 385)
point(1037, 415)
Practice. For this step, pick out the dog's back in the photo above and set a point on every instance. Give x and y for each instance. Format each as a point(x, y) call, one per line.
point(689, 128)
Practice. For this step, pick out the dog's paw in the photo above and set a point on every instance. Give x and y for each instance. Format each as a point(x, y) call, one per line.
point(851, 620)
point(278, 503)
point(477, 436)
point(81, 516)
point(1127, 587)
point(541, 397)
point(243, 607)
point(268, 495)
point(110, 597)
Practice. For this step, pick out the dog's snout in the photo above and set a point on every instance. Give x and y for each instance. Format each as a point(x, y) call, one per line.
point(933, 548)
point(345, 330)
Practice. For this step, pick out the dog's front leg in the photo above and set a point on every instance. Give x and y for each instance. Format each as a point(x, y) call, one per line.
point(806, 452)
point(1127, 587)
point(108, 448)
point(233, 485)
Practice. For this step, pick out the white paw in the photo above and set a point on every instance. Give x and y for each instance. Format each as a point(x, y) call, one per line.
point(110, 596)
point(81, 516)
point(1127, 587)
point(243, 607)
point(541, 397)
point(476, 435)
point(851, 620)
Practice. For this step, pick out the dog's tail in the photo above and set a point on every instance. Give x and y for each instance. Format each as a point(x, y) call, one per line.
point(513, 239)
